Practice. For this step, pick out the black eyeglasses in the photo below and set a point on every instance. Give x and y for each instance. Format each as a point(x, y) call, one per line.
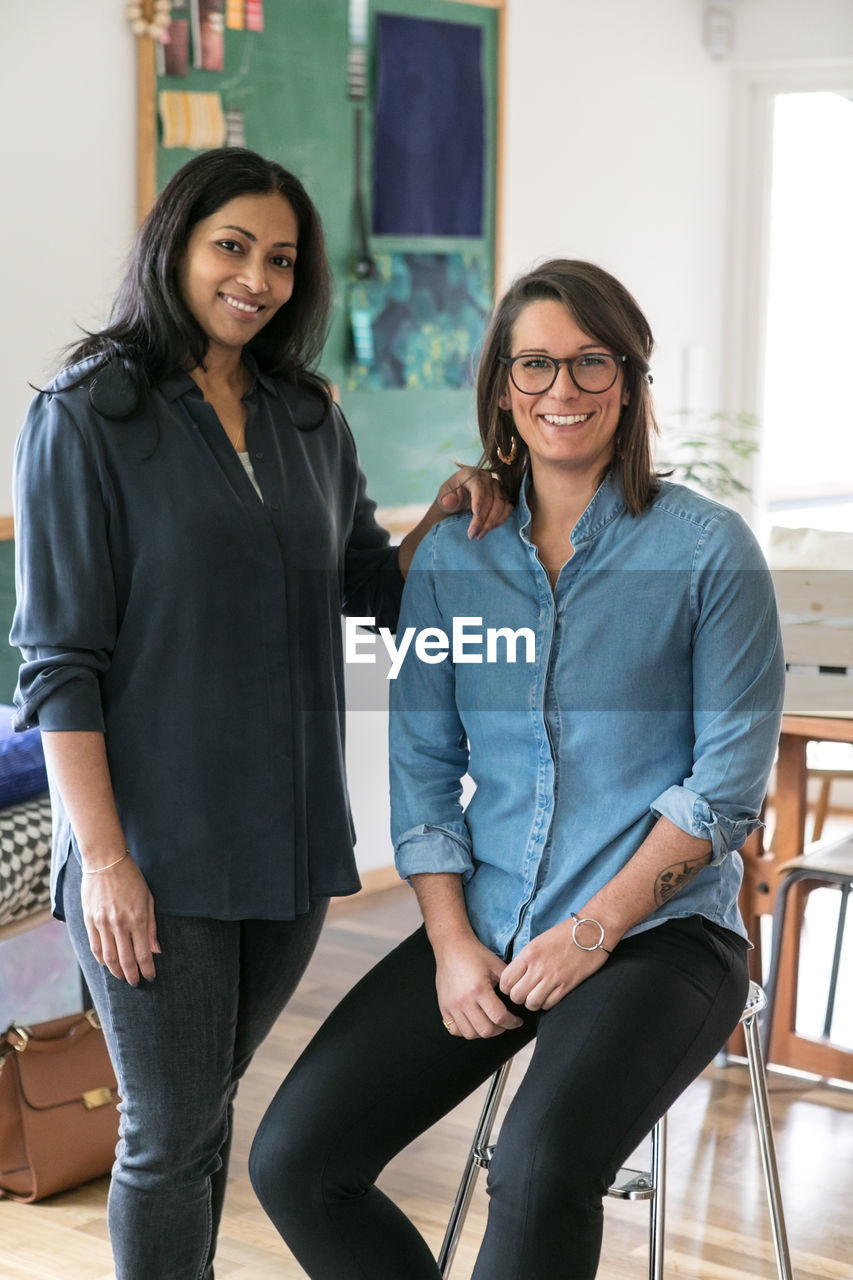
point(534, 374)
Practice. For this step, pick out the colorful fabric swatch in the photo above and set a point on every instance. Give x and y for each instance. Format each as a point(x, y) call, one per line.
point(418, 322)
point(255, 15)
point(176, 48)
point(235, 15)
point(192, 120)
point(212, 29)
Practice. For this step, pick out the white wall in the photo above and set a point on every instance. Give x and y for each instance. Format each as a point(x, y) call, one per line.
point(67, 100)
point(787, 30)
point(617, 150)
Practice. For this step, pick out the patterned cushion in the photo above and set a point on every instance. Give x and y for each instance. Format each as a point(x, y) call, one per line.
point(25, 831)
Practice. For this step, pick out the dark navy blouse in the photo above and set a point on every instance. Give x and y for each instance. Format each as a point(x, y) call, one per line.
point(162, 601)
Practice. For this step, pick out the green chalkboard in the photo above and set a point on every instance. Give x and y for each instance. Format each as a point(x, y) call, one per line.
point(290, 83)
point(10, 659)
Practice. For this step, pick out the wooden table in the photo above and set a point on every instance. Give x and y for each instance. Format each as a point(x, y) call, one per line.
point(761, 879)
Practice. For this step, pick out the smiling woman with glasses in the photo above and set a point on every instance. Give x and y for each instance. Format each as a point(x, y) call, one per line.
point(585, 899)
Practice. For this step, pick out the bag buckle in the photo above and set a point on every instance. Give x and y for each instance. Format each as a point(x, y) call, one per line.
point(24, 1036)
point(94, 1098)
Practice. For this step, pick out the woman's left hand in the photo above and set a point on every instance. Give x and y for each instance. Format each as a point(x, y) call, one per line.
point(548, 968)
point(478, 491)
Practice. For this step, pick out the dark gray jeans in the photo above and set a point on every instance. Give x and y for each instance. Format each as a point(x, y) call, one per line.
point(179, 1046)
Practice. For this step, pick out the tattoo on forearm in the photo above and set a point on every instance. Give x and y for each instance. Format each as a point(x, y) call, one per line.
point(672, 879)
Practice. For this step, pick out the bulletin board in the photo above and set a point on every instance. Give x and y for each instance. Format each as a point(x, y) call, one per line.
point(10, 658)
point(289, 84)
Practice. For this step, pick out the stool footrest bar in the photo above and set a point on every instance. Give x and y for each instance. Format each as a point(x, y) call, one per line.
point(632, 1184)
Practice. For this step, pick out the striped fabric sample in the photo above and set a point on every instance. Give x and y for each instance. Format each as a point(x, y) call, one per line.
point(193, 120)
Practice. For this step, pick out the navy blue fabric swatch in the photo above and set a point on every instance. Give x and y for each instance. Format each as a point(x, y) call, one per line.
point(429, 129)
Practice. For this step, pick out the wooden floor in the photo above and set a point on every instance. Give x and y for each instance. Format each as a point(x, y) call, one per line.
point(717, 1227)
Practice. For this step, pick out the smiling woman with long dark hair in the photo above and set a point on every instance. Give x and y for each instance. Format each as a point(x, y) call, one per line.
point(191, 521)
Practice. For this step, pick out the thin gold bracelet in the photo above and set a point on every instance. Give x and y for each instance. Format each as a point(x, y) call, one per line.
point(96, 871)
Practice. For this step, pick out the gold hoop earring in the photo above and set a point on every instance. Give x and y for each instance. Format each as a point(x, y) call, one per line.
point(508, 461)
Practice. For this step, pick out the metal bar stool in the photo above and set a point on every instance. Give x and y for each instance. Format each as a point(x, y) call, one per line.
point(649, 1185)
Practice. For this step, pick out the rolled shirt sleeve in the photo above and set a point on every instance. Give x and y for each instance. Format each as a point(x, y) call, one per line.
point(738, 689)
point(693, 814)
point(431, 849)
point(65, 621)
point(428, 747)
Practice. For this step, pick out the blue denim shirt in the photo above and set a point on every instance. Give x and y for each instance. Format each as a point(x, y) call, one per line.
point(656, 689)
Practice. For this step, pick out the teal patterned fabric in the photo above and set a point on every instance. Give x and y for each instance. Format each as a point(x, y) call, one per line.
point(426, 313)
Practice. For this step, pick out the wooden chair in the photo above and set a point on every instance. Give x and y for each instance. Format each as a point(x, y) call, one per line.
point(828, 864)
point(632, 1184)
point(829, 762)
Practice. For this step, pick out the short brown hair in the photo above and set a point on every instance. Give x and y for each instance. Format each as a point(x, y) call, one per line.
point(604, 309)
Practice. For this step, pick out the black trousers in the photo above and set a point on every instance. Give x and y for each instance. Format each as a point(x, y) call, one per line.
point(609, 1060)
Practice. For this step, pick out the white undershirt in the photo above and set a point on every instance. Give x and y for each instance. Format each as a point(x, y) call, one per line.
point(248, 468)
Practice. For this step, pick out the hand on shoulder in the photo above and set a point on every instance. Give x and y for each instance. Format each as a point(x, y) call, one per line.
point(479, 491)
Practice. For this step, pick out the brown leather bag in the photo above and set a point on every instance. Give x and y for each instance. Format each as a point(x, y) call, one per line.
point(58, 1117)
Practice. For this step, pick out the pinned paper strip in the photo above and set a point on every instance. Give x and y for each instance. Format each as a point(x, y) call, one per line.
point(195, 29)
point(235, 129)
point(235, 15)
point(357, 21)
point(255, 15)
point(193, 120)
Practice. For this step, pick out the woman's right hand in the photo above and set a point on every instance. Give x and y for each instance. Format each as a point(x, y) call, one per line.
point(119, 913)
point(467, 974)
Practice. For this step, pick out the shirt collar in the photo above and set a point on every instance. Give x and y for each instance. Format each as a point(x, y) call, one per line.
point(179, 383)
point(258, 375)
point(605, 505)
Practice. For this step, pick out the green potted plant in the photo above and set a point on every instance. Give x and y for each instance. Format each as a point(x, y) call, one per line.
point(707, 450)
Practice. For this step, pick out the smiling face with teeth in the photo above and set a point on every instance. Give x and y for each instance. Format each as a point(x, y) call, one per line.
point(238, 268)
point(563, 427)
